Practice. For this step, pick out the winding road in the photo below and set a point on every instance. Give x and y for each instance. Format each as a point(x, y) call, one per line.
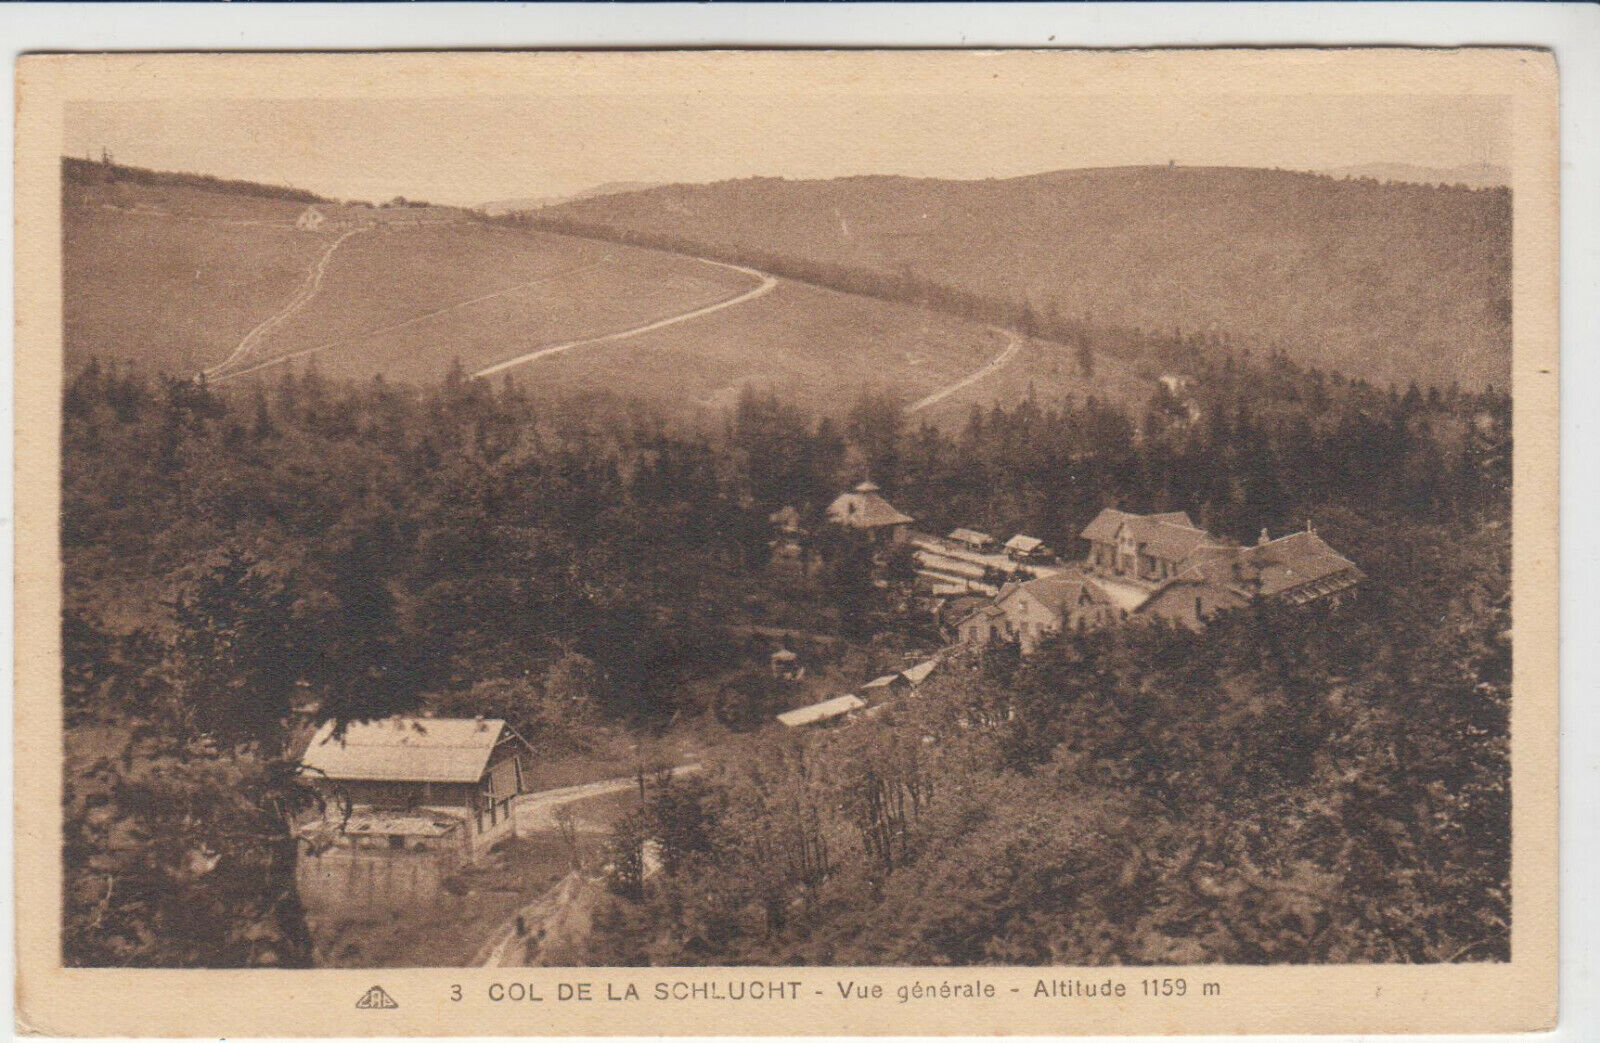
point(766, 286)
point(231, 367)
point(1013, 345)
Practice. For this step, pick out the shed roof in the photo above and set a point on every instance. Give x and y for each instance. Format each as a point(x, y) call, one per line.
point(919, 673)
point(1024, 544)
point(886, 681)
point(405, 749)
point(971, 536)
point(822, 711)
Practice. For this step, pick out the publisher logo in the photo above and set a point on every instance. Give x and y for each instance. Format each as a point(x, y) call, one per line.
point(376, 999)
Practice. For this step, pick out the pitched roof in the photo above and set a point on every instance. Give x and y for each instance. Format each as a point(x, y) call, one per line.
point(971, 536)
point(405, 749)
point(1128, 597)
point(1061, 589)
point(865, 509)
point(1291, 561)
point(1173, 518)
point(919, 673)
point(1103, 529)
point(885, 681)
point(822, 711)
point(1171, 536)
point(1025, 544)
point(988, 608)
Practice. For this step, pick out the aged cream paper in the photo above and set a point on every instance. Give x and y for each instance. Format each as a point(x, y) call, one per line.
point(1231, 98)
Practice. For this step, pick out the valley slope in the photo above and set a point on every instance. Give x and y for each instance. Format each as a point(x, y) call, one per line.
point(187, 279)
point(1392, 282)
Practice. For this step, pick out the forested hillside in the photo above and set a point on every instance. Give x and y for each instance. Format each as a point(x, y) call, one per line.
point(1387, 281)
point(241, 562)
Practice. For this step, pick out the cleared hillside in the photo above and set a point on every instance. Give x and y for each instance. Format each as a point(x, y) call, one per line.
point(1393, 282)
point(187, 279)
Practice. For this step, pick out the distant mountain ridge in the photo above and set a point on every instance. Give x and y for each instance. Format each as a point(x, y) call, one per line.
point(501, 207)
point(1390, 281)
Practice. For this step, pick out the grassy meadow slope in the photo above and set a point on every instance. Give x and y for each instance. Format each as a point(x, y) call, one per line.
point(1388, 281)
point(175, 292)
point(184, 278)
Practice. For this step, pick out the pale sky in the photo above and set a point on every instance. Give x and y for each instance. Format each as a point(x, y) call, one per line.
point(473, 150)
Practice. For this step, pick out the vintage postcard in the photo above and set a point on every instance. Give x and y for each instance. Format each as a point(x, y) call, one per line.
point(786, 543)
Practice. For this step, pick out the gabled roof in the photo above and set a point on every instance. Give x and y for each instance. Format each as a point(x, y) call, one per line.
point(1064, 589)
point(1291, 561)
point(863, 508)
point(1171, 536)
point(1103, 529)
point(1023, 544)
point(405, 749)
point(822, 711)
point(971, 536)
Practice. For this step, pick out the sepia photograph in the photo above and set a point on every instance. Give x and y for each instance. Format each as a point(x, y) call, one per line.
point(825, 510)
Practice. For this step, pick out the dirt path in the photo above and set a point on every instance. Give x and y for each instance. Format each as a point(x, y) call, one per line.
point(766, 286)
point(301, 297)
point(1013, 345)
point(358, 338)
point(543, 922)
point(557, 919)
point(536, 811)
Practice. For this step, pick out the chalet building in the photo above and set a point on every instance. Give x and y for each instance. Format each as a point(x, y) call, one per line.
point(452, 779)
point(1028, 612)
point(1147, 548)
point(862, 508)
point(1298, 568)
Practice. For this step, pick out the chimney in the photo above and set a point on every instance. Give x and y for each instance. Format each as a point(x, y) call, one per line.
point(1263, 539)
point(1309, 527)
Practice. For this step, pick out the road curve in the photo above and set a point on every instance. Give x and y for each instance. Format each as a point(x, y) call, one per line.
point(536, 811)
point(993, 365)
point(766, 286)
